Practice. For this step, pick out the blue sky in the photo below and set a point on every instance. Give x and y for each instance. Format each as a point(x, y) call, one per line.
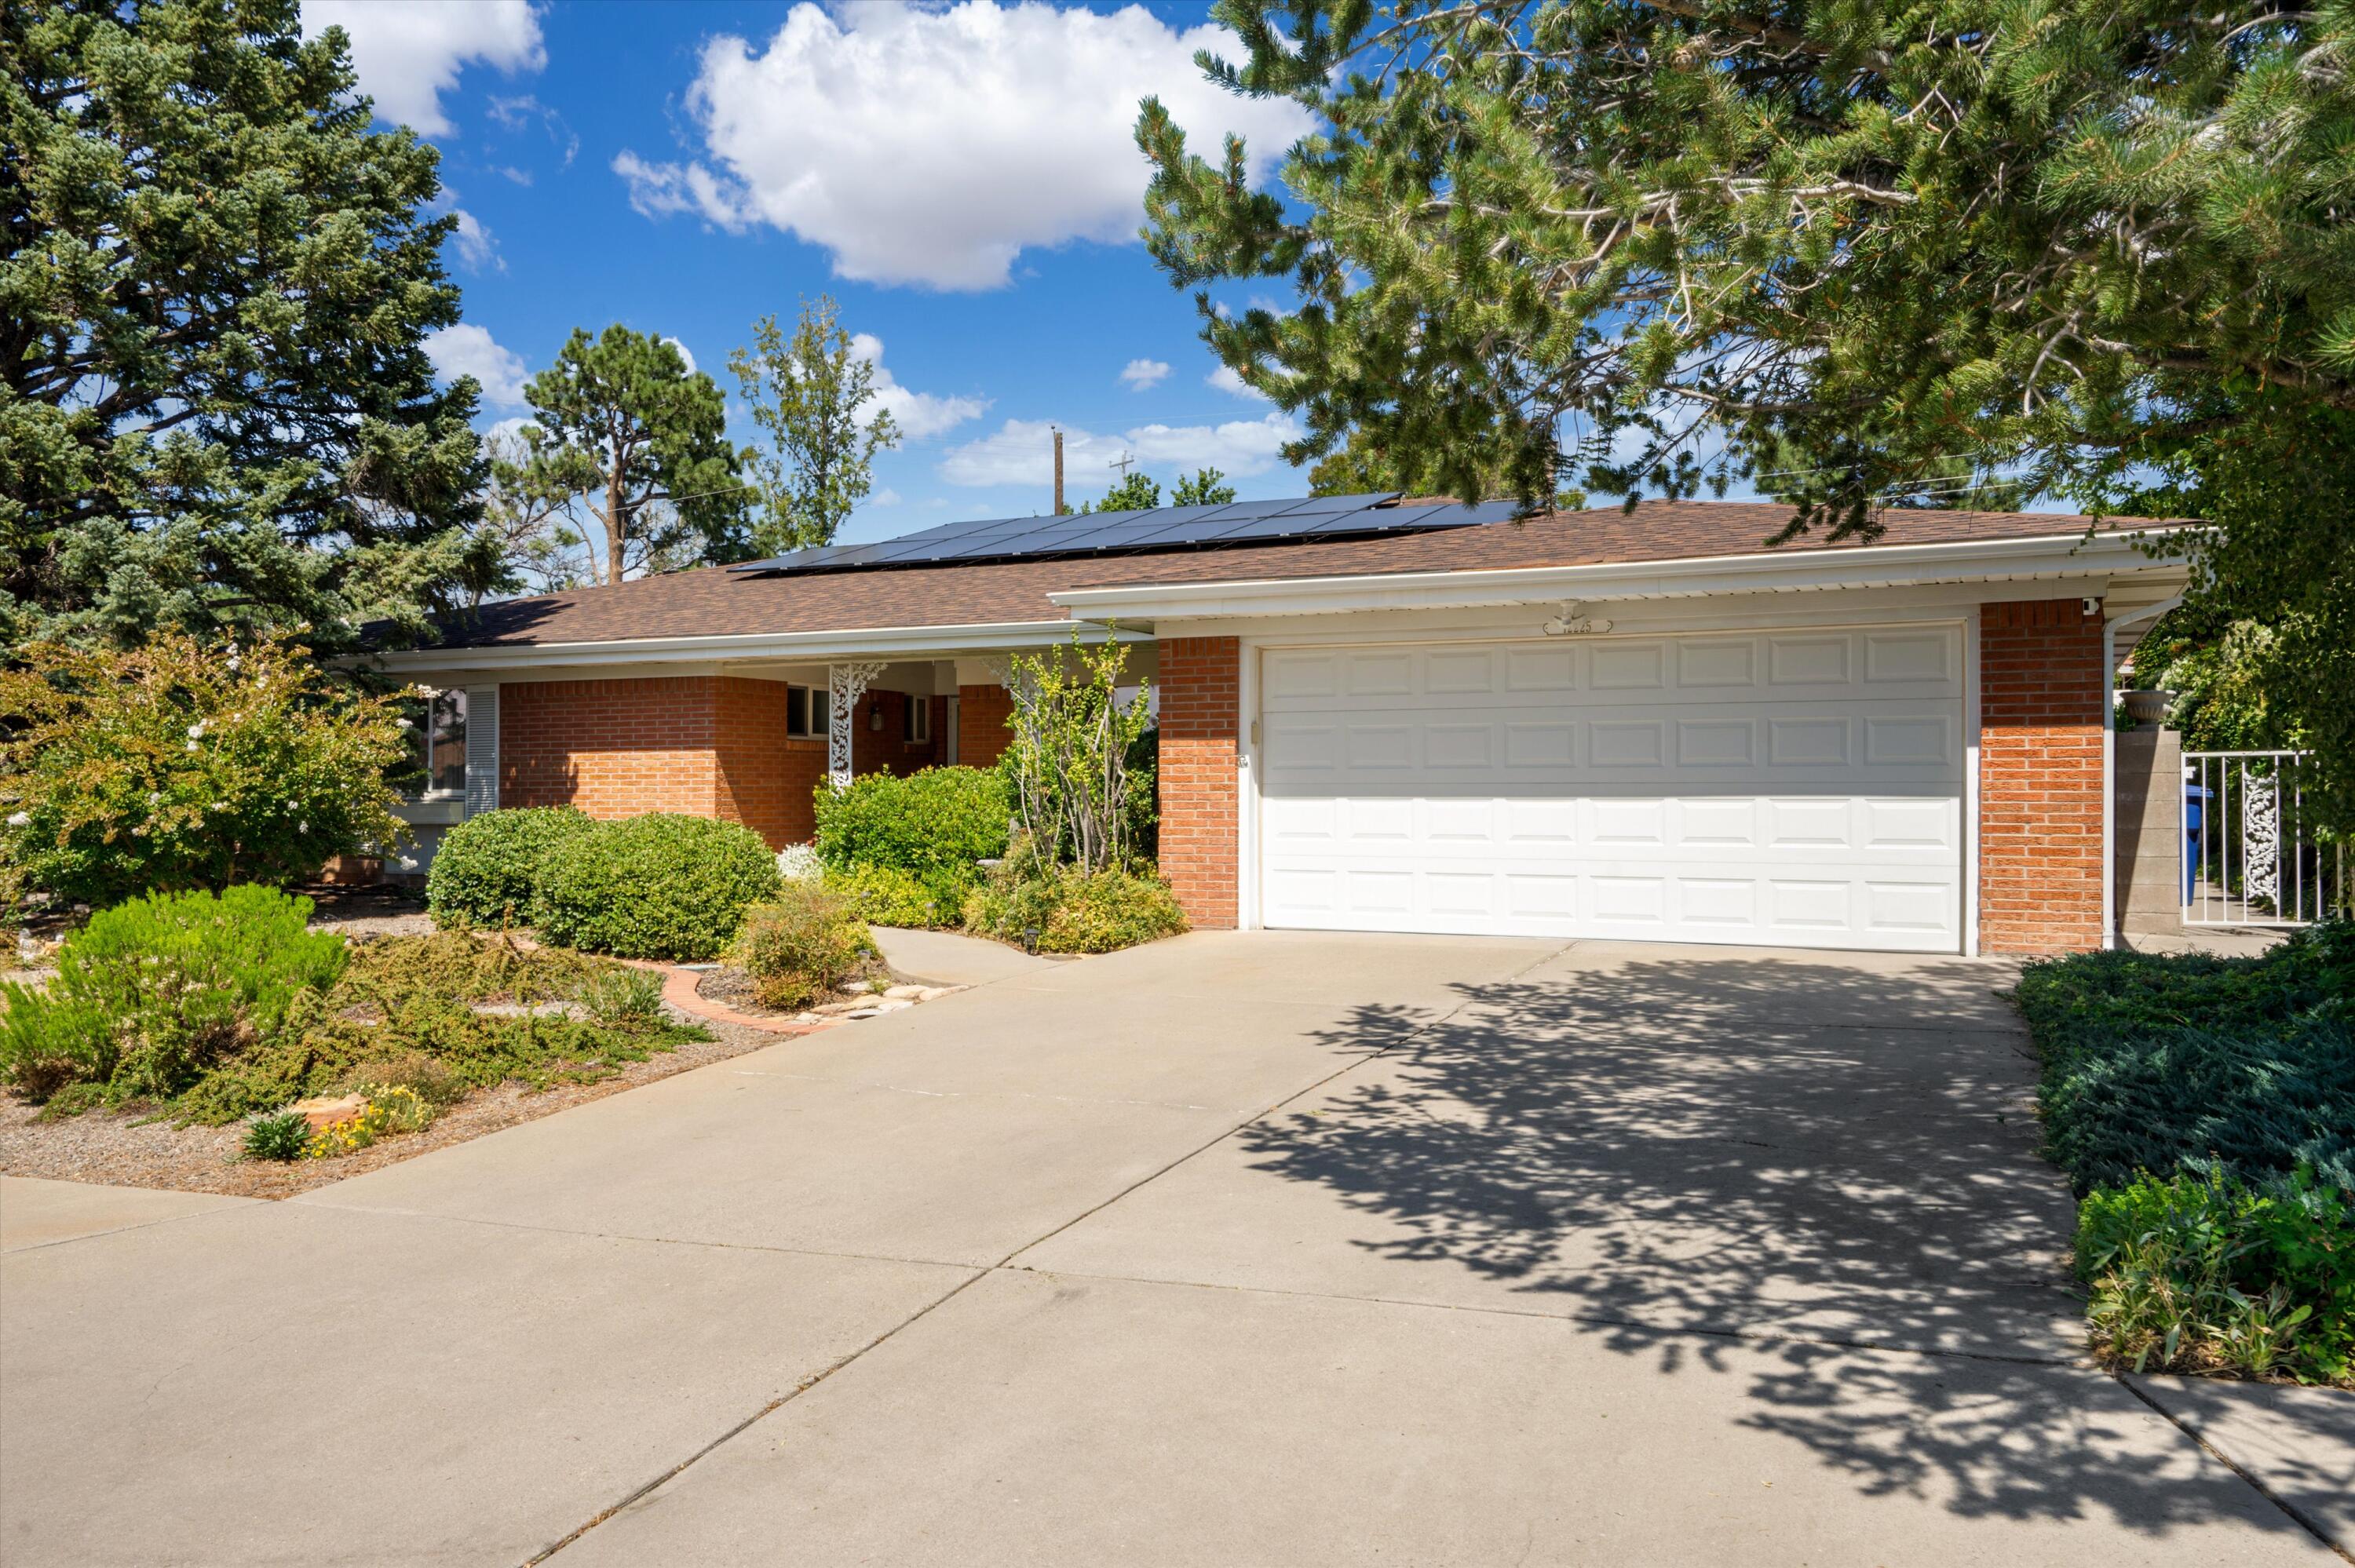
point(961, 180)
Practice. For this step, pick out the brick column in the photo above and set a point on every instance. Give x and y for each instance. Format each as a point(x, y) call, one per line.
point(1200, 720)
point(2039, 777)
point(982, 713)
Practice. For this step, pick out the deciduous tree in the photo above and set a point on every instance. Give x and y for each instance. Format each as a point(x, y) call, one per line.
point(810, 394)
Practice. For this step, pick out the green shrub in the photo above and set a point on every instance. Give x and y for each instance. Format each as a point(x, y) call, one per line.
point(803, 944)
point(404, 1015)
point(179, 763)
point(284, 1137)
point(1065, 910)
point(886, 895)
point(1107, 910)
point(933, 825)
point(656, 887)
point(623, 996)
point(155, 992)
point(2204, 1272)
point(2153, 1061)
point(486, 871)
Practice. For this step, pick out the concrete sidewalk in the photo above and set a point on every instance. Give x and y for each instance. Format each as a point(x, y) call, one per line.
point(1234, 1248)
point(948, 958)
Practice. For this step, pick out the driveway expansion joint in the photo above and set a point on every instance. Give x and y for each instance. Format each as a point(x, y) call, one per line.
point(2303, 1521)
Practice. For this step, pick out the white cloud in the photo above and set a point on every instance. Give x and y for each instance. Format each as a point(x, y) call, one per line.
point(408, 52)
point(1226, 378)
point(469, 349)
point(932, 146)
point(477, 249)
point(1022, 452)
point(887, 496)
point(685, 353)
point(918, 414)
point(1141, 373)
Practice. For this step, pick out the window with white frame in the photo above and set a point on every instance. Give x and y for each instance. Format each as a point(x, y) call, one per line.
point(444, 739)
point(918, 720)
point(436, 771)
point(804, 712)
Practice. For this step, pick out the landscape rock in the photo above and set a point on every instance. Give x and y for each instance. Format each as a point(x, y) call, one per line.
point(321, 1109)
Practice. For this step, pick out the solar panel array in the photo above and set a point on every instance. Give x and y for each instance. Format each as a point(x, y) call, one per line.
point(1131, 533)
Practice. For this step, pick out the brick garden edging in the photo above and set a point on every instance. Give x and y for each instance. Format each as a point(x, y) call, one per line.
point(678, 991)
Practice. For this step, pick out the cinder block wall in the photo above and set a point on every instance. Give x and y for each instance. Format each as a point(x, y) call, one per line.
point(2039, 777)
point(1201, 721)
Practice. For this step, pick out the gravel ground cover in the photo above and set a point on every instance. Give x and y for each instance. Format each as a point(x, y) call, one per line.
point(118, 1150)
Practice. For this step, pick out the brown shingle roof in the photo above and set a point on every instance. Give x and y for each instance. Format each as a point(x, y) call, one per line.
point(709, 602)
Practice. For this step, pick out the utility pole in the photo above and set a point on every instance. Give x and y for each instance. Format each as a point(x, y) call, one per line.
point(1059, 472)
point(1123, 463)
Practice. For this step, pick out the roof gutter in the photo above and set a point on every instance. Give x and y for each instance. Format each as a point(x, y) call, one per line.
point(2065, 556)
point(811, 647)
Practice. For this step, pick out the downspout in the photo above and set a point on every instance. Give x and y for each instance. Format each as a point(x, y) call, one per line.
point(2110, 762)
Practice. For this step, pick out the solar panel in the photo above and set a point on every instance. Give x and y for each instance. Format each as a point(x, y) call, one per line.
point(1158, 528)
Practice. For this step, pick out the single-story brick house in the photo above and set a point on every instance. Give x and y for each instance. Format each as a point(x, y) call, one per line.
point(1642, 724)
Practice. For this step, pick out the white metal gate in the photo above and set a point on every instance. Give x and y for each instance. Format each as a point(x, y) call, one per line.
point(2250, 857)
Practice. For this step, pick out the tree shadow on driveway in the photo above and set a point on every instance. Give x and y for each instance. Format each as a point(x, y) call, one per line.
point(1811, 1170)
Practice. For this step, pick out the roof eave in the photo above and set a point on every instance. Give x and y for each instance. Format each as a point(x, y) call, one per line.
point(2055, 556)
point(812, 647)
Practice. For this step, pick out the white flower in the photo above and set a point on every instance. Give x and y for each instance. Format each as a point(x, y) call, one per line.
point(302, 827)
point(221, 805)
point(404, 724)
point(153, 796)
point(197, 730)
point(20, 818)
point(192, 745)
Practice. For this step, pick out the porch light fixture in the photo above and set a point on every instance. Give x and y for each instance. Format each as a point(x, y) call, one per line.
point(875, 717)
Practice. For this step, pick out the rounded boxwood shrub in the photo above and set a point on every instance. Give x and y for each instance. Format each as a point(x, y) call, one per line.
point(935, 823)
point(656, 887)
point(486, 871)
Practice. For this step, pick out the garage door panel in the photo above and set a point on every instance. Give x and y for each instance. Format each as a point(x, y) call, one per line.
point(1799, 788)
point(1624, 899)
point(1795, 667)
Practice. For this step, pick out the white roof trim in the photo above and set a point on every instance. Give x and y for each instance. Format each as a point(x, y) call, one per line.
point(2053, 556)
point(812, 647)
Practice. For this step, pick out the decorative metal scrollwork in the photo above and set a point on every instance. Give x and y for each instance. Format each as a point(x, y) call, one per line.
point(2261, 841)
point(846, 685)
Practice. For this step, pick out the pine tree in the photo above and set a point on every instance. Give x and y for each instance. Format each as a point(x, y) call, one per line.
point(621, 426)
point(216, 410)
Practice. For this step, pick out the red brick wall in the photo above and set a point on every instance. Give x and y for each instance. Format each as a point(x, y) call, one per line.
point(703, 744)
point(887, 750)
point(2039, 777)
point(764, 777)
point(615, 748)
point(1200, 720)
point(982, 713)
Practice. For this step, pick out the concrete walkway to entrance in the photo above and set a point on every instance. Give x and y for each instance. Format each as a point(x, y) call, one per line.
point(1237, 1248)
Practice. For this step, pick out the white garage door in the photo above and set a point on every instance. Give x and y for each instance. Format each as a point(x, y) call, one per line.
point(1794, 788)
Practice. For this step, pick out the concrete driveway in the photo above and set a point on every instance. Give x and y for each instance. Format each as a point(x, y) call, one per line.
point(1236, 1249)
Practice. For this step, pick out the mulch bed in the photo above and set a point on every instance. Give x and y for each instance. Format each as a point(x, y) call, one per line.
point(115, 1150)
